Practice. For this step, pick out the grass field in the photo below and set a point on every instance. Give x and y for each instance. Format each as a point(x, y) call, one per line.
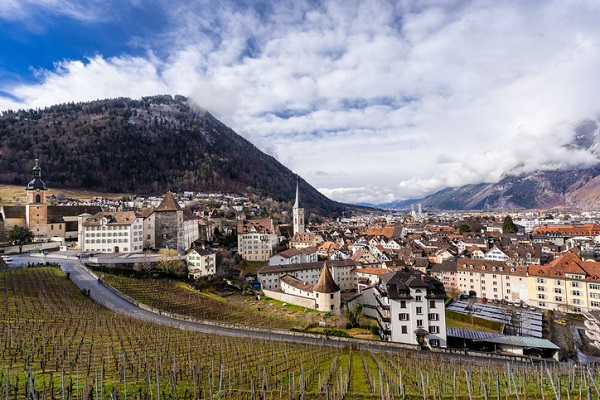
point(56, 343)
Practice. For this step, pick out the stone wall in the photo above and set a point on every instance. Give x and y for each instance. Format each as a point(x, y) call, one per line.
point(291, 299)
point(169, 230)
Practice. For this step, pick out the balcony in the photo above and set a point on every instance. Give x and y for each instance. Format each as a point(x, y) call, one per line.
point(384, 315)
point(381, 301)
point(383, 326)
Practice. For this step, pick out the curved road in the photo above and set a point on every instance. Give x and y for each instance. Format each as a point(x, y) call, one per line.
point(83, 279)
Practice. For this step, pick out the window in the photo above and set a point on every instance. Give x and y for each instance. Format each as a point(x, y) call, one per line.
point(558, 299)
point(434, 342)
point(540, 280)
point(542, 296)
point(576, 293)
point(418, 298)
point(576, 301)
point(558, 290)
point(576, 284)
point(558, 282)
point(431, 303)
point(541, 289)
point(433, 317)
point(434, 329)
point(404, 329)
point(403, 317)
point(419, 323)
point(419, 310)
point(402, 303)
point(594, 286)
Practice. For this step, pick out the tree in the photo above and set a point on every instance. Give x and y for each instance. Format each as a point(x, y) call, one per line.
point(170, 262)
point(508, 226)
point(20, 236)
point(354, 315)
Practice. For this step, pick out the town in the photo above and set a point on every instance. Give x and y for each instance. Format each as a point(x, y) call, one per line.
point(532, 271)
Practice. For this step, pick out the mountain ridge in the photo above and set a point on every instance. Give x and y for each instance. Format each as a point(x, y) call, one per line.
point(578, 188)
point(144, 146)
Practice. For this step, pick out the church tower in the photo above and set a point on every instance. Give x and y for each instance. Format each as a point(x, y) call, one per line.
point(298, 215)
point(37, 208)
point(36, 189)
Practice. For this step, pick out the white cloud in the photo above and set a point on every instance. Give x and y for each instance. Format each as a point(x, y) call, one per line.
point(369, 101)
point(23, 10)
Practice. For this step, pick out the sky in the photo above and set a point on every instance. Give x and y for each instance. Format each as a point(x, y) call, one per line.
point(369, 101)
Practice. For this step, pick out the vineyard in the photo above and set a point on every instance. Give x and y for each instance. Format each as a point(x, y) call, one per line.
point(177, 297)
point(56, 343)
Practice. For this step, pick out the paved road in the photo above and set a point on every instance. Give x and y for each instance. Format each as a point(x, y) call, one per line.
point(99, 293)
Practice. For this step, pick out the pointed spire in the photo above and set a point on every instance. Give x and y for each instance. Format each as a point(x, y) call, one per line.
point(326, 284)
point(169, 203)
point(296, 204)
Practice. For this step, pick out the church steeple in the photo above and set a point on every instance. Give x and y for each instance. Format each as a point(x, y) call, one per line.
point(298, 214)
point(297, 196)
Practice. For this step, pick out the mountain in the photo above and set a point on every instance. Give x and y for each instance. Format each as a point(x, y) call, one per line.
point(146, 146)
point(579, 188)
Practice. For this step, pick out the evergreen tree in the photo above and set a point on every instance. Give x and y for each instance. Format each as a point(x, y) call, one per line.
point(508, 226)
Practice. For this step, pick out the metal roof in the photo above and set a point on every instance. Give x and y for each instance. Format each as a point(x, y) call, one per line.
point(522, 341)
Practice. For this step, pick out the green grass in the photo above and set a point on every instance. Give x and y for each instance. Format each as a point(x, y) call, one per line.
point(251, 267)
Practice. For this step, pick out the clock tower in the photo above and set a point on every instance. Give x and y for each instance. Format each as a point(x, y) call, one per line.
point(37, 208)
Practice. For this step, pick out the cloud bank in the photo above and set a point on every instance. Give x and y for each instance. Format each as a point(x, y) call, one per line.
point(368, 101)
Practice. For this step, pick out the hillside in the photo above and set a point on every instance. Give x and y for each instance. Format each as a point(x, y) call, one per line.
point(145, 146)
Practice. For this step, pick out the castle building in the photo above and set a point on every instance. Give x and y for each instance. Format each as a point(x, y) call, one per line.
point(324, 296)
point(174, 228)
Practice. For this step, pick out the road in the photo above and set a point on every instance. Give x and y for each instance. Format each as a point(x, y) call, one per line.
point(83, 279)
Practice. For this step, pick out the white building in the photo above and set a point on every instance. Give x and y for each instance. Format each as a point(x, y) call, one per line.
point(495, 254)
point(492, 279)
point(411, 309)
point(113, 232)
point(341, 271)
point(256, 239)
point(295, 256)
point(201, 262)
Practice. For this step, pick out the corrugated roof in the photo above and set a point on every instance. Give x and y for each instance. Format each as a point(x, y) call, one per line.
point(522, 341)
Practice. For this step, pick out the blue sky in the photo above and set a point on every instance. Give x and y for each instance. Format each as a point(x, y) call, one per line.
point(369, 101)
